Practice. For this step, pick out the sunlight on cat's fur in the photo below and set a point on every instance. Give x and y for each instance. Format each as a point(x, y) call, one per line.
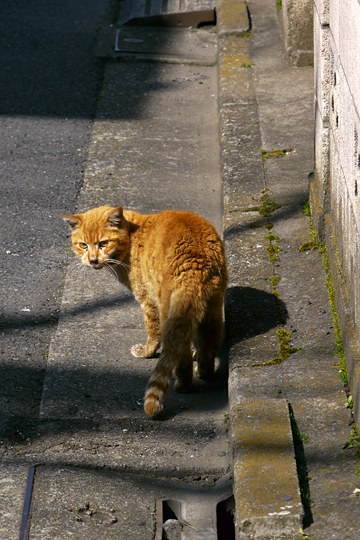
point(174, 264)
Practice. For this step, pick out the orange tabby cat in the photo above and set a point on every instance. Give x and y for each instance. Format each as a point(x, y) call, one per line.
point(174, 264)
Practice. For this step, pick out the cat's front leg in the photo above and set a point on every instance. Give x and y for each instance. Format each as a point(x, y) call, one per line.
point(148, 350)
point(152, 325)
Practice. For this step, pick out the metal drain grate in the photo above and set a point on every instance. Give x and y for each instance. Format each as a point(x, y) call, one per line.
point(173, 13)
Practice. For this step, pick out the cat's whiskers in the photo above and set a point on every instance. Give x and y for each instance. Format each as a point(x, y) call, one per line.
point(119, 263)
point(76, 266)
point(111, 269)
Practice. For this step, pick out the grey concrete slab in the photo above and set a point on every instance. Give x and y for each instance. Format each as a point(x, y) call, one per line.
point(92, 504)
point(13, 481)
point(155, 145)
point(105, 504)
point(163, 150)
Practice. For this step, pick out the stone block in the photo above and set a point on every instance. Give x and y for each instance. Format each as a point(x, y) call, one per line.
point(298, 31)
point(265, 480)
point(322, 65)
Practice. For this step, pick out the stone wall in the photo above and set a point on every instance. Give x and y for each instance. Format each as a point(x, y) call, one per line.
point(335, 188)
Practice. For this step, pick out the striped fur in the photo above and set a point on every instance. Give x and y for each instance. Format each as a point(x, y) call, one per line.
point(174, 263)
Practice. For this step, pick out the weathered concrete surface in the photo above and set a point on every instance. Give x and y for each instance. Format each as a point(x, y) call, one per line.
point(297, 19)
point(334, 189)
point(154, 145)
point(263, 448)
point(101, 463)
point(266, 126)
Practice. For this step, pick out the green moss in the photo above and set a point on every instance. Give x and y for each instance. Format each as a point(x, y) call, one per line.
point(285, 349)
point(273, 237)
point(278, 5)
point(268, 206)
point(339, 346)
point(304, 438)
point(309, 246)
point(271, 154)
point(275, 280)
point(273, 251)
point(305, 209)
point(353, 442)
point(265, 207)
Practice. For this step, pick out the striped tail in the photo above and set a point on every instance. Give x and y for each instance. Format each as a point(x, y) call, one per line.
point(176, 354)
point(156, 391)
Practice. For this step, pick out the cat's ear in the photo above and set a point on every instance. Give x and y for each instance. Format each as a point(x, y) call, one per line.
point(72, 219)
point(116, 217)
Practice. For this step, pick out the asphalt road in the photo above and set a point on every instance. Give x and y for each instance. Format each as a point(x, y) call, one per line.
point(49, 86)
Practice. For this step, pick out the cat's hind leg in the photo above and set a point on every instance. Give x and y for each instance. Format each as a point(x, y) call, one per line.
point(152, 326)
point(209, 337)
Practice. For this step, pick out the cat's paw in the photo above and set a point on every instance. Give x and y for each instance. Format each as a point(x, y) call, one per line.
point(207, 375)
point(145, 351)
point(138, 350)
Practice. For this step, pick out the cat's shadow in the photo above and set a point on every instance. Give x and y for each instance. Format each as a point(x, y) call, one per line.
point(250, 312)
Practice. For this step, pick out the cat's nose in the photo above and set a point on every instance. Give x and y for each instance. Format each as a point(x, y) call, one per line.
point(94, 262)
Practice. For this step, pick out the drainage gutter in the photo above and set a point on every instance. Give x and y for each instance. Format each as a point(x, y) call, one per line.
point(266, 490)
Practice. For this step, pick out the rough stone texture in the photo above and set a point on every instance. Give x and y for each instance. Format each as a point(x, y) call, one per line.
point(104, 460)
point(262, 445)
point(232, 17)
point(320, 196)
point(13, 481)
point(335, 188)
point(298, 31)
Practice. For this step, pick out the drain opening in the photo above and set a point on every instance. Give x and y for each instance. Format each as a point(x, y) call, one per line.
point(185, 19)
point(171, 526)
point(225, 526)
point(178, 13)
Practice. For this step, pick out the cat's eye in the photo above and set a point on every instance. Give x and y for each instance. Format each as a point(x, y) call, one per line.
point(103, 244)
point(82, 245)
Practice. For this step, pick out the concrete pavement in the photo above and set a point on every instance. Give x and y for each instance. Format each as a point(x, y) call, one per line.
point(102, 468)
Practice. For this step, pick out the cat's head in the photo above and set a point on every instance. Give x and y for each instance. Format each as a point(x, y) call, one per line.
point(99, 236)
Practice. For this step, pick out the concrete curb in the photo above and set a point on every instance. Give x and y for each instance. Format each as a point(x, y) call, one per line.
point(266, 490)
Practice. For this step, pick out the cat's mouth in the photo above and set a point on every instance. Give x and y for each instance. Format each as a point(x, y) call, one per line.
point(96, 265)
